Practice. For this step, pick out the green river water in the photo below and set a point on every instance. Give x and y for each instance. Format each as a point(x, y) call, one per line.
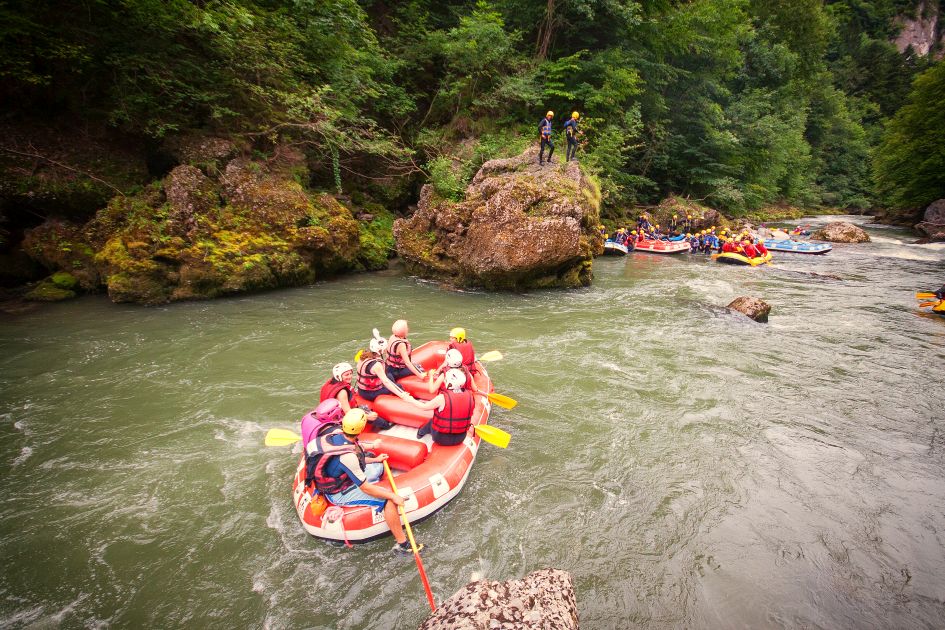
point(689, 467)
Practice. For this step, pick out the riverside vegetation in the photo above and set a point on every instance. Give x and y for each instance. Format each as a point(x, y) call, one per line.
point(178, 150)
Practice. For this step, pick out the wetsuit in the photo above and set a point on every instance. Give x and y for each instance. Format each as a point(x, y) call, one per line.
point(940, 294)
point(545, 131)
point(571, 132)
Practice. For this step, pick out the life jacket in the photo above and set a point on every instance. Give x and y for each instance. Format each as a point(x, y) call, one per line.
point(393, 359)
point(331, 388)
point(456, 413)
point(367, 381)
point(319, 453)
point(750, 251)
point(762, 250)
point(545, 128)
point(571, 128)
point(466, 349)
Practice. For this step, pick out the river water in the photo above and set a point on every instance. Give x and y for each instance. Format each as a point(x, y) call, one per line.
point(691, 468)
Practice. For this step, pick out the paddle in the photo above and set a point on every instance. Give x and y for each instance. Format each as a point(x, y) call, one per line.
point(503, 401)
point(493, 435)
point(493, 355)
point(924, 295)
point(932, 303)
point(281, 437)
point(413, 543)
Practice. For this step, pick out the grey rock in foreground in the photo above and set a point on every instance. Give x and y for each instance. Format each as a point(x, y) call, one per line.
point(752, 307)
point(841, 232)
point(542, 599)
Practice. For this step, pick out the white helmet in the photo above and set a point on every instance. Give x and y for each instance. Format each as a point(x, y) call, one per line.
point(455, 379)
point(454, 358)
point(339, 370)
point(378, 345)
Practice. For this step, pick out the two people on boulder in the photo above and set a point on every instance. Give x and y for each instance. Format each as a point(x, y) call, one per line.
point(546, 136)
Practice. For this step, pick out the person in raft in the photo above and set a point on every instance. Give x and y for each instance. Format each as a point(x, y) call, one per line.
point(338, 387)
point(398, 363)
point(545, 132)
point(346, 475)
point(452, 411)
point(452, 361)
point(372, 378)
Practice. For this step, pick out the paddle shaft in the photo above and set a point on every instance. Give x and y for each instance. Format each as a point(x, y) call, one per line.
point(413, 543)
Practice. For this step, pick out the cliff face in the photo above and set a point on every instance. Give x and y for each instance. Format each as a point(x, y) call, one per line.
point(922, 31)
point(520, 226)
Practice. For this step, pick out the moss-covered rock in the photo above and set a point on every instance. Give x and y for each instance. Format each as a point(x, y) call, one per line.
point(195, 236)
point(64, 280)
point(48, 291)
point(520, 226)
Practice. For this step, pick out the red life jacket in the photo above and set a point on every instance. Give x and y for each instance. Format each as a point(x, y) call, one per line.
point(318, 457)
point(456, 413)
point(750, 251)
point(367, 381)
point(331, 388)
point(393, 359)
point(762, 250)
point(466, 349)
point(728, 247)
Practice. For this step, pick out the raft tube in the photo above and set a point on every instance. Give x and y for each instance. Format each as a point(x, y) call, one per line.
point(614, 249)
point(661, 247)
point(428, 475)
point(732, 258)
point(787, 245)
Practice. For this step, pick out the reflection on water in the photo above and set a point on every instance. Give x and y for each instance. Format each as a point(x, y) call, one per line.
point(690, 467)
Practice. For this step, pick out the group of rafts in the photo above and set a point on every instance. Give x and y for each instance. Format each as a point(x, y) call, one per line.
point(428, 475)
point(733, 251)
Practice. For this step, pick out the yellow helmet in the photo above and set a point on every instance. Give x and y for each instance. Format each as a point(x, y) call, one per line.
point(458, 333)
point(354, 421)
point(550, 113)
point(575, 115)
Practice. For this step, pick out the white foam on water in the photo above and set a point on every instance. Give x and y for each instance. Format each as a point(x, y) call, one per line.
point(25, 453)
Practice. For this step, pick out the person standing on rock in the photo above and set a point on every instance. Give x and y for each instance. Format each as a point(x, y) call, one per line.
point(545, 132)
point(571, 133)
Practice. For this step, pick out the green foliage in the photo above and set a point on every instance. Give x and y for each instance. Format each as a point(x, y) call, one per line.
point(910, 163)
point(445, 178)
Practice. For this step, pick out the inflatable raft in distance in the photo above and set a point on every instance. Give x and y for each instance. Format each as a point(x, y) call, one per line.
point(612, 248)
point(428, 475)
point(787, 245)
point(731, 258)
point(661, 247)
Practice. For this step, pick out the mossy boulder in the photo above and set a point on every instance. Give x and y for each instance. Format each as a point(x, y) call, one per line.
point(520, 226)
point(49, 291)
point(195, 236)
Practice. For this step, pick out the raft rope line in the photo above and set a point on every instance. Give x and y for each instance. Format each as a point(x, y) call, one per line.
point(335, 514)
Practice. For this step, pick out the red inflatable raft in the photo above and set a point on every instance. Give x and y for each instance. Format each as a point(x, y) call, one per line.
point(427, 475)
point(661, 247)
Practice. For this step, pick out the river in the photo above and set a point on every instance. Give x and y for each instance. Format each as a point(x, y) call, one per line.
point(691, 468)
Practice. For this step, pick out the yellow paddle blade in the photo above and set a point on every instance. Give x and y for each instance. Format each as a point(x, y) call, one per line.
point(281, 437)
point(924, 295)
point(493, 435)
point(494, 355)
point(503, 401)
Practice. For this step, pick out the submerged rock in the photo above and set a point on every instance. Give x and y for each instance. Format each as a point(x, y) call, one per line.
point(841, 232)
point(933, 222)
point(519, 226)
point(542, 599)
point(752, 307)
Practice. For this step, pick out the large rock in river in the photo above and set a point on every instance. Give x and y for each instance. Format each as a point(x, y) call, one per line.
point(752, 307)
point(933, 221)
point(841, 232)
point(542, 599)
point(519, 226)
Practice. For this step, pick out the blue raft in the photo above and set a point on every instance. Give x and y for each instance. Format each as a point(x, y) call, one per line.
point(795, 247)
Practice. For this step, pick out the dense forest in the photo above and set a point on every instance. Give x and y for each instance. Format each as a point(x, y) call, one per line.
point(737, 103)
